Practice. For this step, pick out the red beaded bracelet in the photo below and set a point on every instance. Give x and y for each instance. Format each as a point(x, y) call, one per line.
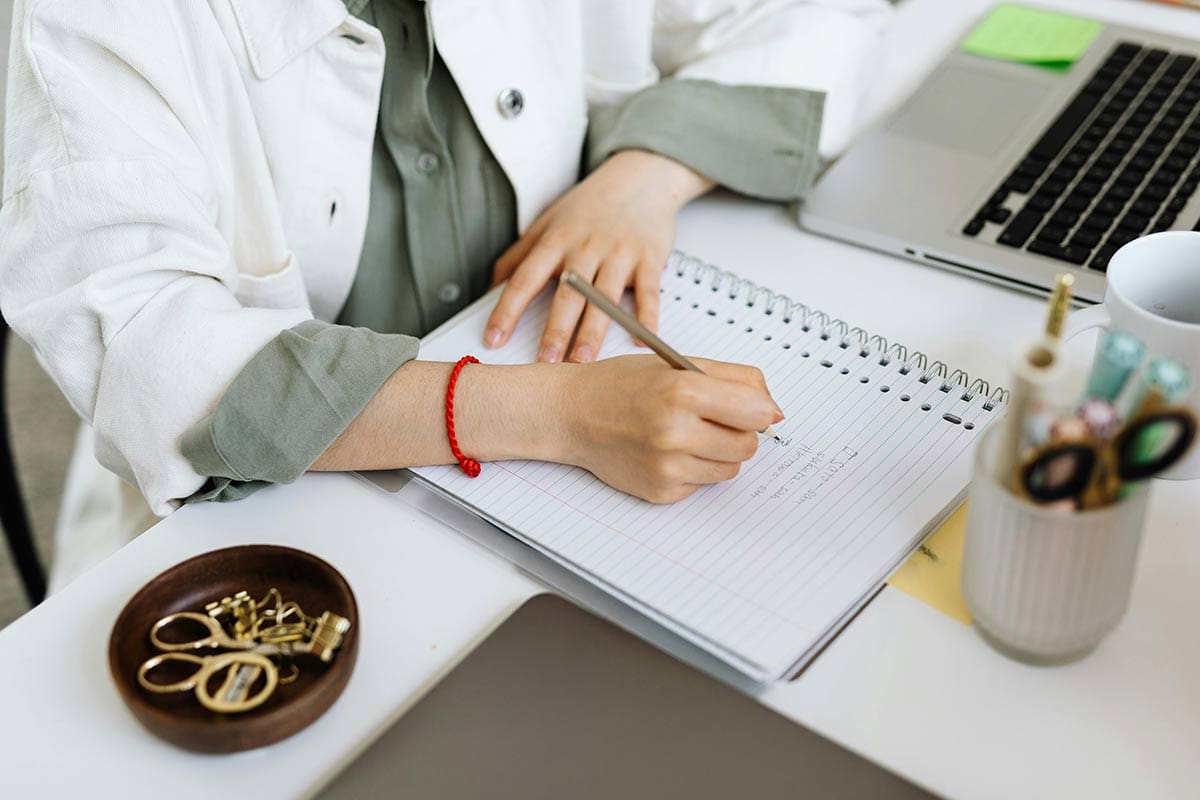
point(469, 465)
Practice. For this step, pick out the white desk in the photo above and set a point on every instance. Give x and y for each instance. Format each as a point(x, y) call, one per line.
point(903, 685)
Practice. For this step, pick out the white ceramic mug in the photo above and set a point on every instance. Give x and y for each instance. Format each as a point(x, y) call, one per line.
point(1154, 293)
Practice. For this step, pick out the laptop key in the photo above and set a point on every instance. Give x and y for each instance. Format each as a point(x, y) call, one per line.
point(1144, 205)
point(1098, 222)
point(1101, 258)
point(1186, 147)
point(1074, 202)
point(1041, 202)
point(1156, 191)
point(1176, 162)
point(1119, 191)
point(1055, 187)
point(1065, 218)
point(1052, 233)
point(1165, 179)
point(1160, 136)
point(1180, 64)
point(1129, 177)
point(1074, 255)
point(973, 227)
point(1019, 183)
point(1151, 150)
point(997, 214)
point(1133, 223)
point(1085, 238)
point(1064, 174)
point(1022, 225)
point(1031, 168)
point(1063, 128)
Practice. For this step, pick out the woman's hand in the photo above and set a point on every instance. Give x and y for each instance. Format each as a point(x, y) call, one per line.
point(661, 433)
point(635, 423)
point(615, 228)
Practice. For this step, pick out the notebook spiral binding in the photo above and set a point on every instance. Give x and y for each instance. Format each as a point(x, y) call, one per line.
point(772, 303)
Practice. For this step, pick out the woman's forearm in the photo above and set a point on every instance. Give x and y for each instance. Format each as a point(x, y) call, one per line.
point(501, 412)
point(632, 421)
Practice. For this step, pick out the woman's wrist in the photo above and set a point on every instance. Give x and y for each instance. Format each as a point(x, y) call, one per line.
point(679, 183)
point(514, 412)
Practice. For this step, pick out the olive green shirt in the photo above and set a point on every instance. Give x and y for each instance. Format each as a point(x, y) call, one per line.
point(441, 212)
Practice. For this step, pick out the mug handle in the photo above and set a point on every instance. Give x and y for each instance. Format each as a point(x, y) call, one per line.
point(1084, 320)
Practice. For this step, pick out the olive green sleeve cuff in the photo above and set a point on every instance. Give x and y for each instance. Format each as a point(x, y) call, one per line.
point(288, 404)
point(757, 140)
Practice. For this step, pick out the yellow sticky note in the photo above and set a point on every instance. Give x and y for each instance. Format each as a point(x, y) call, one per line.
point(1032, 36)
point(933, 573)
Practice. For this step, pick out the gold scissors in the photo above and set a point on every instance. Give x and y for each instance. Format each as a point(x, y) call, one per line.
point(242, 664)
point(242, 669)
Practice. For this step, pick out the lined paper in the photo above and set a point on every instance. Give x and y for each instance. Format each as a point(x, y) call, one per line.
point(760, 569)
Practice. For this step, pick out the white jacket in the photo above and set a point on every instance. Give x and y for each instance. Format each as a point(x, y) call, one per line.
point(186, 178)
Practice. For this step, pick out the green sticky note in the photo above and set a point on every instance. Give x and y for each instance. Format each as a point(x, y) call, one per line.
point(1032, 36)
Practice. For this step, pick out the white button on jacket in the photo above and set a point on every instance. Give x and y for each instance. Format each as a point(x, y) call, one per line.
point(186, 178)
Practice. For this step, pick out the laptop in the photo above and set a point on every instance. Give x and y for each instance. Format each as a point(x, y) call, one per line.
point(1013, 173)
point(558, 703)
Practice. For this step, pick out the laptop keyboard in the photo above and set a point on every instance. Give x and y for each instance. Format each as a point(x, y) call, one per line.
point(1117, 163)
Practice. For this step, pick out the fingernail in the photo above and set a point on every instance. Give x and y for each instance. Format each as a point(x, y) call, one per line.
point(550, 354)
point(778, 414)
point(492, 336)
point(583, 353)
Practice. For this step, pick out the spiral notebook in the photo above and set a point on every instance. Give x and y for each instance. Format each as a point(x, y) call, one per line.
point(763, 569)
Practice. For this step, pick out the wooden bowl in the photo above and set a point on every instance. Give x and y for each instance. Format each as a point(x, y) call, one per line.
point(178, 717)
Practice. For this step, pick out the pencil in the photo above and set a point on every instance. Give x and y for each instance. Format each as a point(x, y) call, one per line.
point(637, 330)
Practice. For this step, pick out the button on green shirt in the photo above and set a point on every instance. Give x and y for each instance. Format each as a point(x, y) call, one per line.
point(441, 212)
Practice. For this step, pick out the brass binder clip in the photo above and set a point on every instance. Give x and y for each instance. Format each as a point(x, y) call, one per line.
point(240, 610)
point(327, 635)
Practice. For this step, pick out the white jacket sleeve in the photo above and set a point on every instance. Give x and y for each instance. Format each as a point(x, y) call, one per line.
point(115, 259)
point(823, 45)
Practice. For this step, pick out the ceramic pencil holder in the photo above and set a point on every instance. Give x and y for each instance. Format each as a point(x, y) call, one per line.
point(1046, 586)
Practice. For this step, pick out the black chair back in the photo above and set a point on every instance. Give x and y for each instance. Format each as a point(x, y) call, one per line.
point(12, 507)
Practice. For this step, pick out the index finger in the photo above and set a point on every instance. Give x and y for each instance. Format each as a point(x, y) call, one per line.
point(526, 281)
point(740, 373)
point(734, 404)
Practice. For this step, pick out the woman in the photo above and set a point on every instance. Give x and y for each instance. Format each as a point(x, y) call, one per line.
point(202, 199)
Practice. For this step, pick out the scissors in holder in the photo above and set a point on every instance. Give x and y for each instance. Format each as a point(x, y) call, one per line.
point(1093, 471)
point(241, 668)
point(242, 665)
